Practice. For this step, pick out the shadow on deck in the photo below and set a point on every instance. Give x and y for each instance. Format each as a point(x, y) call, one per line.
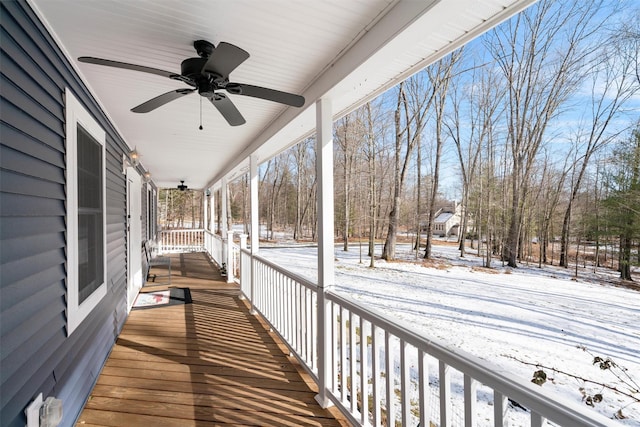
point(208, 363)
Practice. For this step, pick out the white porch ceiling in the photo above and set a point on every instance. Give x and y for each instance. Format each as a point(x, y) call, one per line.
point(346, 50)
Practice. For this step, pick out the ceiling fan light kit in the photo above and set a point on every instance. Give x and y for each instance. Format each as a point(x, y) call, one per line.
point(209, 76)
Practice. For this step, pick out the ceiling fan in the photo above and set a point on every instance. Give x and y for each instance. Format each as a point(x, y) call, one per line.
point(209, 76)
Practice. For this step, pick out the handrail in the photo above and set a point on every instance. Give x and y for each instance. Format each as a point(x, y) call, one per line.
point(290, 274)
point(555, 409)
point(373, 361)
point(181, 240)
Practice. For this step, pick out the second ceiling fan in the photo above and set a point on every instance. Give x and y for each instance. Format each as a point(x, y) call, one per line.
point(209, 76)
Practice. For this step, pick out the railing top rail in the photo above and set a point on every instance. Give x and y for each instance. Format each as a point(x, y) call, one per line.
point(181, 230)
point(556, 408)
point(300, 279)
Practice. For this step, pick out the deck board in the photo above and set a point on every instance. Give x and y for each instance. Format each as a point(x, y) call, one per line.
point(208, 363)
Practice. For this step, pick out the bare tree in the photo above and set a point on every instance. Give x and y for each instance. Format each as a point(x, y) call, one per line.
point(481, 97)
point(305, 183)
point(349, 136)
point(541, 53)
point(440, 75)
point(389, 249)
point(272, 180)
point(415, 107)
point(612, 83)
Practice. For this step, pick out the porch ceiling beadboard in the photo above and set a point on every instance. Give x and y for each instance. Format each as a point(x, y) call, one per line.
point(349, 51)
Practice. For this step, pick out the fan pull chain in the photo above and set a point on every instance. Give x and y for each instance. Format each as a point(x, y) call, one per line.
point(200, 114)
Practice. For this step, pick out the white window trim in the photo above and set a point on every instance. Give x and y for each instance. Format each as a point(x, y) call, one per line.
point(76, 114)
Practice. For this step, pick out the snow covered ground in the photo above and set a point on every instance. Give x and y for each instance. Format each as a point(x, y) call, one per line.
point(537, 316)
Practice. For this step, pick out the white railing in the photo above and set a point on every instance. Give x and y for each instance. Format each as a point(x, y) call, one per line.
point(225, 252)
point(382, 373)
point(235, 262)
point(183, 240)
point(245, 271)
point(288, 303)
point(213, 246)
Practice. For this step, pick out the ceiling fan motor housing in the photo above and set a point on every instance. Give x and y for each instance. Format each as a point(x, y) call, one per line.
point(206, 82)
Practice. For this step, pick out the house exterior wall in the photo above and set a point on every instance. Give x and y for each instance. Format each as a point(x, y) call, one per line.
point(37, 354)
point(448, 220)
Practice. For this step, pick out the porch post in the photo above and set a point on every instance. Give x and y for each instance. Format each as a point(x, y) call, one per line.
point(255, 223)
point(222, 223)
point(205, 205)
point(230, 264)
point(324, 173)
point(206, 239)
point(212, 224)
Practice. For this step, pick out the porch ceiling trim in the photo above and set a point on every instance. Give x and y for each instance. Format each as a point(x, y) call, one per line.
point(349, 52)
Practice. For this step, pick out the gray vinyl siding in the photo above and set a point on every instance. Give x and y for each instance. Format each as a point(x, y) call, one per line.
point(36, 355)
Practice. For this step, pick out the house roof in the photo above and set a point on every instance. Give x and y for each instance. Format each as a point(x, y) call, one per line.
point(348, 51)
point(444, 217)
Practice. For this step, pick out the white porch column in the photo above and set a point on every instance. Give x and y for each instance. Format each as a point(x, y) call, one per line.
point(324, 173)
point(224, 226)
point(212, 225)
point(224, 231)
point(205, 206)
point(255, 222)
point(230, 264)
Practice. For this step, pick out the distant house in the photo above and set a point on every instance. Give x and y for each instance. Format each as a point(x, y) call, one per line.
point(448, 218)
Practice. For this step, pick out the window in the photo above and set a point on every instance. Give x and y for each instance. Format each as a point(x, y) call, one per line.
point(86, 222)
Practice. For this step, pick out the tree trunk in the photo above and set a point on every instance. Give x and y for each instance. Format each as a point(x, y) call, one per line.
point(389, 250)
point(372, 186)
point(345, 235)
point(434, 193)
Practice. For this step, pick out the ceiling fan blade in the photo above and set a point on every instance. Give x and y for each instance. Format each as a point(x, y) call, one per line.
point(224, 59)
point(264, 93)
point(160, 100)
point(117, 64)
point(227, 109)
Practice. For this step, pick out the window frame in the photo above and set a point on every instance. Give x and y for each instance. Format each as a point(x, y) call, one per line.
point(76, 115)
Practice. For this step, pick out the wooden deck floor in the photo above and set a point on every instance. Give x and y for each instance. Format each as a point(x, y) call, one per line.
point(208, 363)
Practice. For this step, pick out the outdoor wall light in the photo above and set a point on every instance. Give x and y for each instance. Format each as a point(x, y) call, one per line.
point(147, 177)
point(135, 157)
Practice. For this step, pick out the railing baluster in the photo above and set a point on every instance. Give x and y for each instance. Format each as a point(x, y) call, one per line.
point(404, 383)
point(375, 374)
point(470, 400)
point(335, 351)
point(423, 388)
point(445, 394)
point(537, 420)
point(314, 330)
point(389, 379)
point(364, 394)
point(343, 356)
point(499, 406)
point(352, 362)
point(280, 304)
point(310, 336)
point(291, 298)
point(301, 292)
